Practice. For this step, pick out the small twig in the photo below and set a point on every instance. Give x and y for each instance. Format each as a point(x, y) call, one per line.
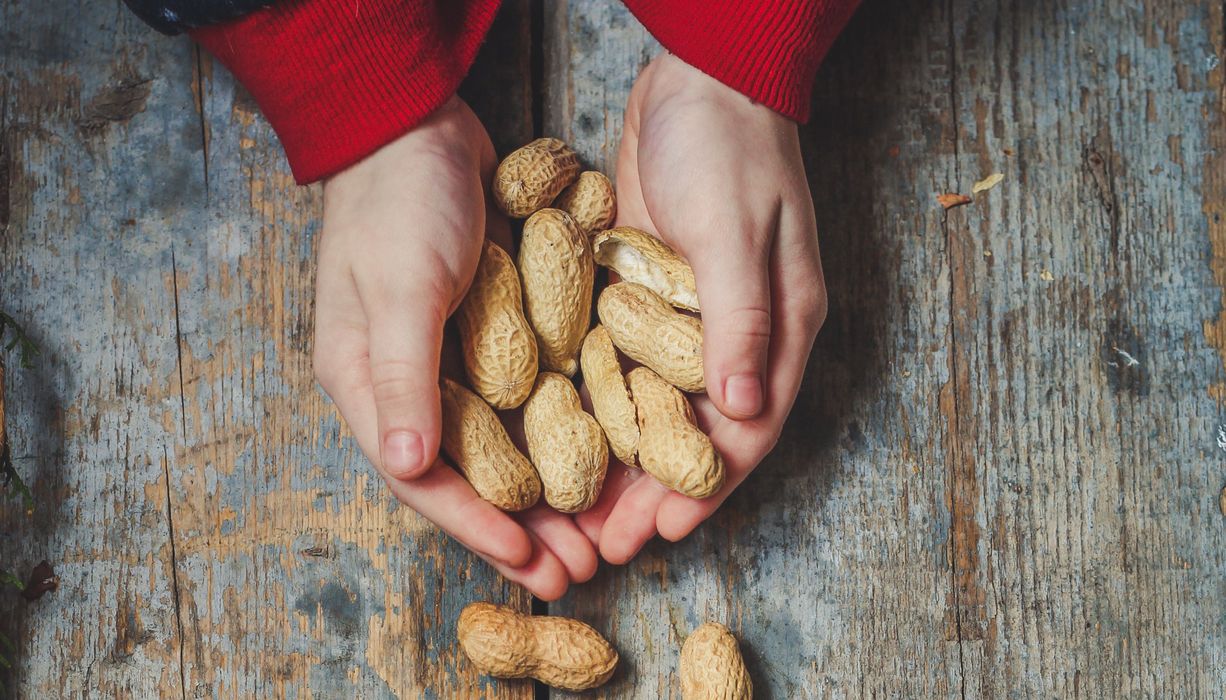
point(29, 349)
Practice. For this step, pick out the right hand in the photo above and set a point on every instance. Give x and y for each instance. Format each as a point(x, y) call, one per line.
point(401, 237)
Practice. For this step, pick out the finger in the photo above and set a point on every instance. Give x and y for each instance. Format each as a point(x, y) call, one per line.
point(406, 335)
point(799, 309)
point(441, 496)
point(543, 575)
point(632, 523)
point(618, 479)
point(734, 292)
point(563, 537)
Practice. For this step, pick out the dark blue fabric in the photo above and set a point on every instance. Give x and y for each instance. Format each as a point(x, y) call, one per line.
point(174, 16)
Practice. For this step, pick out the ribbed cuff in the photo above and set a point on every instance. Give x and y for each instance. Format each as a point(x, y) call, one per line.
point(338, 79)
point(769, 50)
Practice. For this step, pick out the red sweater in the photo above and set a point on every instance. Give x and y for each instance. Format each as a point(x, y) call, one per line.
point(338, 79)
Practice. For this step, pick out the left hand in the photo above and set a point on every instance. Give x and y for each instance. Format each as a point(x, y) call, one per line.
point(721, 179)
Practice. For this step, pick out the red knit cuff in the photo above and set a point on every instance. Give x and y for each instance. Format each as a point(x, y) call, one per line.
point(768, 50)
point(338, 79)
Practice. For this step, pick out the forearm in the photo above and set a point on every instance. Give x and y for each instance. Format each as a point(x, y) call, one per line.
point(768, 50)
point(336, 79)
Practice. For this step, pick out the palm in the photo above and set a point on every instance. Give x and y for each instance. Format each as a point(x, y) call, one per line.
point(402, 235)
point(721, 180)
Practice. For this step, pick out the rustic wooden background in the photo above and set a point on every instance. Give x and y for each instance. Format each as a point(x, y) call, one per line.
point(978, 494)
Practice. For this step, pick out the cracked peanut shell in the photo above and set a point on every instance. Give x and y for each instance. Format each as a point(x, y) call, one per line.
point(566, 444)
point(611, 402)
point(671, 447)
point(590, 200)
point(637, 256)
point(712, 667)
point(532, 176)
point(557, 651)
point(556, 267)
point(483, 453)
point(644, 327)
point(498, 345)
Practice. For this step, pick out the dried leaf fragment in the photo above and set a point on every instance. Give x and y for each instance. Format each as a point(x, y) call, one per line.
point(949, 200)
point(987, 183)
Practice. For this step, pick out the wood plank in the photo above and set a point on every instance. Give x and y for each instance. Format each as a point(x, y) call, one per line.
point(86, 251)
point(1093, 551)
point(970, 498)
point(276, 509)
point(155, 240)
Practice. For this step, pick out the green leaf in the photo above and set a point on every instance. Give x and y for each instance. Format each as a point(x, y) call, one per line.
point(11, 579)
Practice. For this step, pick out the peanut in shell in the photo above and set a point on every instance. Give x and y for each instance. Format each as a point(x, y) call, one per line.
point(566, 444)
point(532, 176)
point(556, 267)
point(712, 667)
point(611, 403)
point(644, 327)
point(557, 651)
point(498, 345)
point(474, 439)
point(590, 200)
point(671, 447)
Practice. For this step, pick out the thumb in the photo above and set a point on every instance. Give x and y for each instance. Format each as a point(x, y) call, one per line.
point(405, 341)
point(734, 293)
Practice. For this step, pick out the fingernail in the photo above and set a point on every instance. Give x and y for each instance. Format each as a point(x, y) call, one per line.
point(402, 452)
point(743, 394)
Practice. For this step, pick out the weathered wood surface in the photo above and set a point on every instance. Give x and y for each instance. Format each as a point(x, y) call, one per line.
point(978, 494)
point(216, 531)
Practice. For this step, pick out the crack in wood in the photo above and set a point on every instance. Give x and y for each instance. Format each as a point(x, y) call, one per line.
point(170, 522)
point(198, 60)
point(966, 616)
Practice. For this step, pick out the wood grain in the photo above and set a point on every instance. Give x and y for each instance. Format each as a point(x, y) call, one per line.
point(217, 530)
point(978, 494)
point(1001, 477)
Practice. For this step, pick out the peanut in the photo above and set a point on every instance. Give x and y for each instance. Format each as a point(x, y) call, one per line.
point(610, 399)
point(650, 332)
point(498, 345)
point(566, 444)
point(483, 452)
point(671, 447)
point(556, 651)
point(638, 256)
point(590, 201)
point(555, 262)
point(712, 667)
point(532, 176)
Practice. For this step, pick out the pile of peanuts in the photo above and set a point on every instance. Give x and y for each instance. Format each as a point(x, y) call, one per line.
point(525, 332)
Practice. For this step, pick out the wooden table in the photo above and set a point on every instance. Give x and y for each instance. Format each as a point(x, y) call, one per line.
point(1001, 477)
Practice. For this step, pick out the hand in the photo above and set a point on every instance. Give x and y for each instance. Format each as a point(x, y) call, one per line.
point(722, 180)
point(401, 237)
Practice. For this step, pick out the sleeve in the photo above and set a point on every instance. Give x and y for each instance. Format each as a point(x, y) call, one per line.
point(768, 50)
point(338, 79)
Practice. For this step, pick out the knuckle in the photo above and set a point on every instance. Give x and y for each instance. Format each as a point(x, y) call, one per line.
point(396, 381)
point(750, 323)
point(813, 306)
